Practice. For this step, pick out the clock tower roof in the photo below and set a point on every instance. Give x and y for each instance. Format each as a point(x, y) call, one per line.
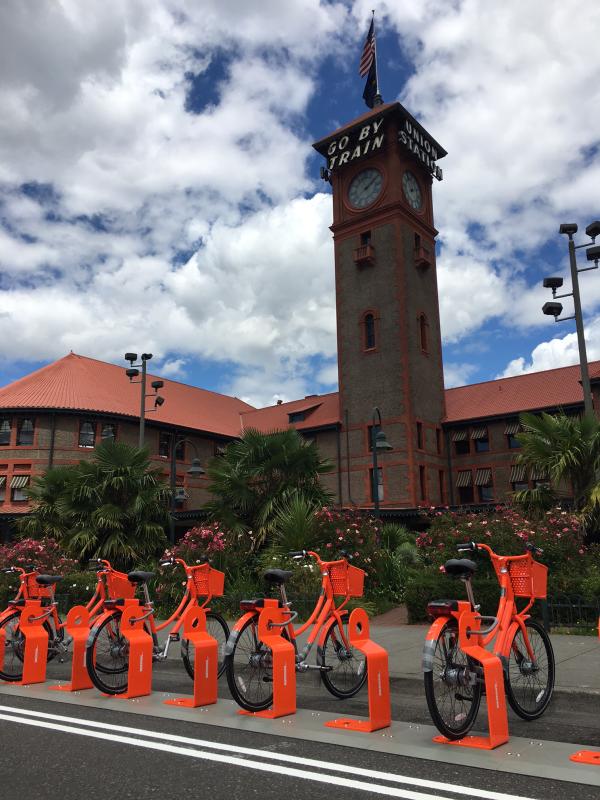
point(384, 110)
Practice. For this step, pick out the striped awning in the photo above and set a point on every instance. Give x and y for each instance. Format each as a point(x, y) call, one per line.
point(512, 428)
point(518, 473)
point(2, 480)
point(19, 481)
point(539, 474)
point(479, 433)
point(483, 477)
point(460, 436)
point(464, 479)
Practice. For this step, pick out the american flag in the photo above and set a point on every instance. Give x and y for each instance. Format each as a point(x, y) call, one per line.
point(368, 53)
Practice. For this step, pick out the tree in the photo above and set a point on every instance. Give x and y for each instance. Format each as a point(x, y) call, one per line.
point(566, 449)
point(113, 506)
point(261, 474)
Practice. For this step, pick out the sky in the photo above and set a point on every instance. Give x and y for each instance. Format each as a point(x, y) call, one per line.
point(159, 191)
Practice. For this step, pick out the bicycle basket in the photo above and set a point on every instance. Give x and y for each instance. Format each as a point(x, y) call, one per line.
point(346, 580)
point(529, 578)
point(119, 586)
point(208, 581)
point(35, 591)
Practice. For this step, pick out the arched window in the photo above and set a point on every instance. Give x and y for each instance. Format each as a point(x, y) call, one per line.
point(369, 324)
point(5, 431)
point(25, 436)
point(87, 434)
point(423, 333)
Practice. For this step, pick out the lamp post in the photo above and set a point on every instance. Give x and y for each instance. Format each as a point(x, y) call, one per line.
point(554, 309)
point(132, 372)
point(195, 471)
point(380, 443)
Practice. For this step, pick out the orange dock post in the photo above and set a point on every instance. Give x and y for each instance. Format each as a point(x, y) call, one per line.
point(35, 654)
point(468, 627)
point(139, 675)
point(206, 657)
point(77, 626)
point(283, 654)
point(378, 681)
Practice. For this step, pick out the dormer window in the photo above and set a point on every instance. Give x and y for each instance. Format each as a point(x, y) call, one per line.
point(297, 416)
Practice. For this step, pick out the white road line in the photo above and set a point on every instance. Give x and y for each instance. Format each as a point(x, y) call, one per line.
point(289, 759)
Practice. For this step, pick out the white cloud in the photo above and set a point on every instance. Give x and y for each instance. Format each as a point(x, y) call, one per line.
point(457, 374)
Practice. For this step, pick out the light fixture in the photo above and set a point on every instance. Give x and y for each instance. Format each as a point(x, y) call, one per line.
point(552, 309)
point(593, 253)
point(553, 283)
point(593, 230)
point(568, 227)
point(132, 373)
point(159, 401)
point(131, 357)
point(381, 442)
point(156, 385)
point(196, 468)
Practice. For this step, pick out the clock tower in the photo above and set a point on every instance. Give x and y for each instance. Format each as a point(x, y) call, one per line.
point(381, 168)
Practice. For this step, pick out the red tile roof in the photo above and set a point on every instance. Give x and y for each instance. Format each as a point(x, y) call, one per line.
point(325, 411)
point(551, 388)
point(85, 384)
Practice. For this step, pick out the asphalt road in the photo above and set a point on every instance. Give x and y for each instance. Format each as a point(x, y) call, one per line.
point(50, 750)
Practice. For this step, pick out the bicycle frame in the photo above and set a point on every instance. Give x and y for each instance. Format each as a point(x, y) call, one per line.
point(25, 593)
point(320, 619)
point(507, 618)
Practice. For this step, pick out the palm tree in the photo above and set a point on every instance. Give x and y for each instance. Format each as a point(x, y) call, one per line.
point(113, 506)
point(261, 474)
point(566, 449)
point(45, 493)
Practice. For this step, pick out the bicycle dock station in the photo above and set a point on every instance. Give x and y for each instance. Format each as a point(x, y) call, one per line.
point(77, 627)
point(31, 622)
point(205, 661)
point(139, 676)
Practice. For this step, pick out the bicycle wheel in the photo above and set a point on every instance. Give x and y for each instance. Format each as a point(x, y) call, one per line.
point(346, 669)
point(529, 685)
point(452, 689)
point(14, 649)
point(219, 630)
point(107, 656)
point(249, 669)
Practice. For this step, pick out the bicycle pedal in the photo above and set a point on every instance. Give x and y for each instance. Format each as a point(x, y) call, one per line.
point(174, 637)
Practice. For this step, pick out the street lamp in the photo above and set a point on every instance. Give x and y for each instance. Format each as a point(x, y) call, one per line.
point(195, 471)
point(554, 309)
point(379, 443)
point(132, 373)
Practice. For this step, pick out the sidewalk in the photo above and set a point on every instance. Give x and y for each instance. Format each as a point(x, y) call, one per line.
point(577, 657)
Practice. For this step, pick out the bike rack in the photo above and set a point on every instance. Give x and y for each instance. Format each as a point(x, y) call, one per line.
point(206, 656)
point(271, 622)
point(378, 681)
point(469, 623)
point(587, 756)
point(31, 624)
point(139, 674)
point(77, 626)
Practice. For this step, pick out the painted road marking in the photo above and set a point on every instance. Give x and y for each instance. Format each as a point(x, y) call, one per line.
point(248, 751)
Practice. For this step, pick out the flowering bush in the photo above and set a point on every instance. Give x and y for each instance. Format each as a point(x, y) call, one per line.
point(351, 531)
point(45, 555)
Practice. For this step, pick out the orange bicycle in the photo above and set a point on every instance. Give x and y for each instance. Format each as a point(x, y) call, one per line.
point(107, 651)
point(453, 680)
point(248, 661)
point(32, 586)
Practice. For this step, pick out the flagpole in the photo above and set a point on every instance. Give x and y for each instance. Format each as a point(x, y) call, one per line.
point(378, 100)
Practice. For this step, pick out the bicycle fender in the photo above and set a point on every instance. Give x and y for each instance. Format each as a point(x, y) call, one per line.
point(97, 622)
point(7, 613)
point(336, 616)
point(430, 641)
point(235, 631)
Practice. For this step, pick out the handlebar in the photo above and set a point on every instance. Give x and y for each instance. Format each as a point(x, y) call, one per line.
point(534, 548)
point(467, 547)
point(297, 554)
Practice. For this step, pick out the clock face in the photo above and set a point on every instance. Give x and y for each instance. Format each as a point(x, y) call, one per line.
point(365, 188)
point(411, 190)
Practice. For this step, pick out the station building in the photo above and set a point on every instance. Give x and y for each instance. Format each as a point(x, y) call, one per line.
point(454, 447)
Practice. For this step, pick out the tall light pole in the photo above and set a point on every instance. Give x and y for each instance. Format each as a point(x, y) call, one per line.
point(132, 372)
point(554, 309)
point(380, 443)
point(195, 471)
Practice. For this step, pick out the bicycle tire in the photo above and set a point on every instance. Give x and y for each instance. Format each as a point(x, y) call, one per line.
point(348, 671)
point(108, 662)
point(453, 722)
point(216, 627)
point(529, 692)
point(11, 646)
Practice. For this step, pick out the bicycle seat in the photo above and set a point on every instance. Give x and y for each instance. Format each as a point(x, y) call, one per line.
point(137, 576)
point(47, 580)
point(277, 576)
point(460, 567)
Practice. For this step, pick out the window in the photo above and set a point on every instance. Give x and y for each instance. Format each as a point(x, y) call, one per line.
point(379, 484)
point(87, 434)
point(220, 449)
point(464, 484)
point(520, 486)
point(511, 431)
point(417, 241)
point(372, 430)
point(5, 432)
point(164, 444)
point(369, 342)
point(462, 445)
point(2, 488)
point(25, 434)
point(423, 333)
point(365, 238)
point(442, 485)
point(419, 435)
point(518, 478)
point(483, 482)
point(297, 416)
point(481, 438)
point(180, 451)
point(109, 431)
point(438, 441)
point(422, 483)
point(17, 488)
